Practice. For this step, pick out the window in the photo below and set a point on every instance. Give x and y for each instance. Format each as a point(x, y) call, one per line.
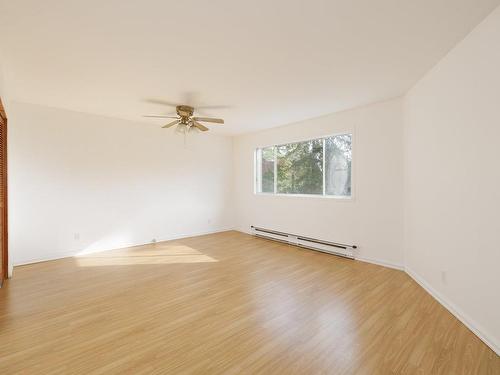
point(338, 157)
point(266, 169)
point(319, 167)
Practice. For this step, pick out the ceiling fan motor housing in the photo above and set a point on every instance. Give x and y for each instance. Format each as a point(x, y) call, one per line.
point(185, 110)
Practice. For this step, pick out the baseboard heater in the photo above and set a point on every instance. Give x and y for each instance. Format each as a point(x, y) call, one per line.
point(334, 248)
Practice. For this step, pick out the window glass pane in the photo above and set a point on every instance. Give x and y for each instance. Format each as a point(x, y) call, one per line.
point(338, 158)
point(300, 167)
point(265, 168)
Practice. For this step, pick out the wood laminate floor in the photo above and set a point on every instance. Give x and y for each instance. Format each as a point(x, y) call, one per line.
point(227, 303)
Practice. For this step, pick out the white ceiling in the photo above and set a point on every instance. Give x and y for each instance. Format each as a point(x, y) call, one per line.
point(271, 62)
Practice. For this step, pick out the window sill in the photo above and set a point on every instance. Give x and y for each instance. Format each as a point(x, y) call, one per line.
point(314, 196)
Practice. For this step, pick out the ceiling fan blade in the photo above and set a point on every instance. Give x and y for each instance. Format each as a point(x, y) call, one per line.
point(213, 107)
point(160, 116)
point(203, 128)
point(209, 119)
point(161, 102)
point(170, 124)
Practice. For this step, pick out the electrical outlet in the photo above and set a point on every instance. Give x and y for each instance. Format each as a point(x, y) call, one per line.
point(209, 221)
point(76, 236)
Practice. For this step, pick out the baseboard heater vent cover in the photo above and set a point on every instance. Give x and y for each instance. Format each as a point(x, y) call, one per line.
point(334, 248)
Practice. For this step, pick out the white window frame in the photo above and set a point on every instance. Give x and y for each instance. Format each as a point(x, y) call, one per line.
point(314, 196)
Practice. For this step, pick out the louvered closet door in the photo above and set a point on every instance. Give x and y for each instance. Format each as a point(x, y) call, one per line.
point(3, 194)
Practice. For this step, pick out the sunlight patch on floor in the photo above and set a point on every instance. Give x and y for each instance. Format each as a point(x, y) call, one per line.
point(162, 254)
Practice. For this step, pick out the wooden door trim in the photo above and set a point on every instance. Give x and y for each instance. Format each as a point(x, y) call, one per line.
point(5, 240)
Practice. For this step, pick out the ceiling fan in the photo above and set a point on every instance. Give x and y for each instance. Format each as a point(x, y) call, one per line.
point(186, 121)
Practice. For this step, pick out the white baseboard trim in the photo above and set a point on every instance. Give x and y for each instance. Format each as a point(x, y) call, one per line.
point(55, 256)
point(382, 263)
point(456, 311)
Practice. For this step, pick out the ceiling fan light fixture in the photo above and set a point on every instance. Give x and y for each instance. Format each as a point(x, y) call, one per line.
point(181, 128)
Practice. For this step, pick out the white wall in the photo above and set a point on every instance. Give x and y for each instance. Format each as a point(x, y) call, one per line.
point(372, 220)
point(1, 81)
point(113, 182)
point(452, 180)
point(3, 89)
